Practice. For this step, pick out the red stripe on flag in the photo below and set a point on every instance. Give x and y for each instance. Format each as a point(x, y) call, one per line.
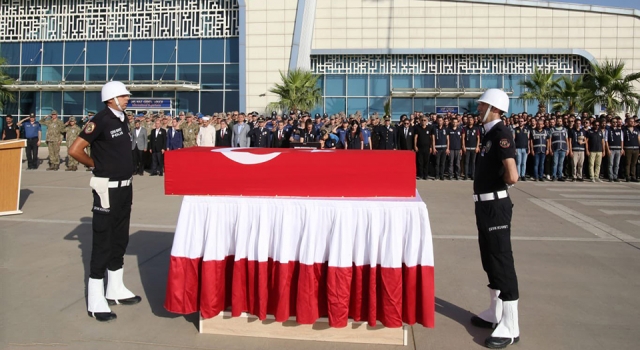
point(308, 292)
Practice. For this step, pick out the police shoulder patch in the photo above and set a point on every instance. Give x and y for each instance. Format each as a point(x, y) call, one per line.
point(89, 128)
point(504, 143)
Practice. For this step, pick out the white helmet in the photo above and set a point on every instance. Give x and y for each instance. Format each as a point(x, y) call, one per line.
point(113, 89)
point(496, 98)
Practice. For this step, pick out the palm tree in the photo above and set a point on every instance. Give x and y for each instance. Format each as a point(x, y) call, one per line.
point(541, 87)
point(5, 94)
point(569, 95)
point(298, 91)
point(608, 85)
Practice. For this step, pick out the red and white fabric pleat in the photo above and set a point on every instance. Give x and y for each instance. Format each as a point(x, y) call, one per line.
point(369, 260)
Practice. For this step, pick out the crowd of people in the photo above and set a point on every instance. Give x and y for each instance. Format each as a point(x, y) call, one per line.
point(549, 147)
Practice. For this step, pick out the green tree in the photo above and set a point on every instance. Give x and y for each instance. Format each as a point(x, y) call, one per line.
point(5, 94)
point(297, 92)
point(608, 85)
point(569, 95)
point(541, 87)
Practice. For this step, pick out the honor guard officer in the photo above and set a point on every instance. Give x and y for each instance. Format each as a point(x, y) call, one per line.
point(259, 134)
point(387, 134)
point(495, 171)
point(112, 163)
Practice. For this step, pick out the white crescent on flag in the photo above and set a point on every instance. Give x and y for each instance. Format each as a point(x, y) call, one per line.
point(245, 157)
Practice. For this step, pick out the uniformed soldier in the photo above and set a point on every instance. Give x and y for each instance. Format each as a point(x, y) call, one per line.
point(440, 146)
point(55, 128)
point(387, 135)
point(112, 163)
point(495, 171)
point(259, 135)
point(189, 131)
point(131, 120)
point(71, 131)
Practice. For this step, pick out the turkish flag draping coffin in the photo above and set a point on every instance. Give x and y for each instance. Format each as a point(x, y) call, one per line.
point(289, 172)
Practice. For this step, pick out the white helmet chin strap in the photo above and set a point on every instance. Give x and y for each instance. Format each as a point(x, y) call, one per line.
point(118, 104)
point(486, 114)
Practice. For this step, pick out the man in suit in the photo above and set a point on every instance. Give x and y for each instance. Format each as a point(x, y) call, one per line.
point(223, 136)
point(138, 147)
point(405, 134)
point(240, 130)
point(280, 137)
point(157, 146)
point(174, 137)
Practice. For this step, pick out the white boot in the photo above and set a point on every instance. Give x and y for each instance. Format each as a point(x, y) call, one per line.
point(508, 326)
point(96, 302)
point(494, 313)
point(116, 291)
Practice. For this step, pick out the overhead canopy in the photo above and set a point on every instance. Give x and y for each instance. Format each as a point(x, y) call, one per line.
point(132, 85)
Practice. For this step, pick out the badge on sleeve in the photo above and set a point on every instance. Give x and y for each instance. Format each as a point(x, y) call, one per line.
point(504, 143)
point(88, 129)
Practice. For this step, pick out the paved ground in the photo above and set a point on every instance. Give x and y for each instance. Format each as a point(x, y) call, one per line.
point(577, 251)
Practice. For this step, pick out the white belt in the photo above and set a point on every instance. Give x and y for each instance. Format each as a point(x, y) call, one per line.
point(483, 197)
point(123, 183)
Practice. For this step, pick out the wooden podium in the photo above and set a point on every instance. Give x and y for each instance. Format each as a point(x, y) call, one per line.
point(11, 175)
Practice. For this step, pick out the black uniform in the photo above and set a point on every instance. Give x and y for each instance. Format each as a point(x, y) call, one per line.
point(423, 142)
point(259, 137)
point(387, 137)
point(471, 137)
point(441, 135)
point(110, 142)
point(493, 217)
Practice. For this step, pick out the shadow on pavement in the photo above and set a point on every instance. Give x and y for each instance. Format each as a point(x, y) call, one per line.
point(463, 317)
point(24, 195)
point(153, 250)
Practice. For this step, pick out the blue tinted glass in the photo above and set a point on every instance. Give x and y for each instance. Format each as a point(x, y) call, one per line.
point(52, 73)
point(10, 108)
point(426, 105)
point(355, 104)
point(119, 52)
point(379, 85)
point(447, 81)
point(426, 81)
point(52, 53)
point(400, 106)
point(357, 85)
point(232, 51)
point(335, 85)
point(318, 109)
point(29, 102)
point(141, 73)
point(232, 77)
point(74, 73)
point(189, 51)
point(13, 72)
point(11, 52)
point(468, 105)
point(31, 74)
point(96, 73)
point(211, 102)
point(168, 94)
point(212, 50)
point(188, 101)
point(516, 106)
point(402, 82)
point(138, 94)
point(492, 81)
point(532, 107)
point(51, 100)
point(164, 51)
point(96, 52)
point(231, 101)
point(446, 102)
point(72, 103)
point(512, 83)
point(141, 51)
point(118, 72)
point(212, 76)
point(92, 102)
point(74, 52)
point(376, 105)
point(334, 105)
point(164, 72)
point(320, 84)
point(470, 81)
point(188, 72)
point(31, 53)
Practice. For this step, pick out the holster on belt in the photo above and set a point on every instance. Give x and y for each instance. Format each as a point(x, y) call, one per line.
point(101, 186)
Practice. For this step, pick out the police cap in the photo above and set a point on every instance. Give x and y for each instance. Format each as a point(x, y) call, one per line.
point(274, 113)
point(317, 115)
point(260, 120)
point(387, 118)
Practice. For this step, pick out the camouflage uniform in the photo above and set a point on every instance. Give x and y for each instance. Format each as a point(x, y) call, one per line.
point(55, 128)
point(189, 134)
point(72, 132)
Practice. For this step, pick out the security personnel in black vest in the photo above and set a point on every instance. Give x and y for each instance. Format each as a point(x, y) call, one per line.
point(111, 160)
point(387, 135)
point(422, 146)
point(495, 171)
point(259, 134)
point(440, 146)
point(631, 148)
point(455, 148)
point(615, 148)
point(471, 147)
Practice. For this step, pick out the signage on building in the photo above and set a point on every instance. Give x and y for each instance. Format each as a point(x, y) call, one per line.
point(152, 103)
point(447, 109)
